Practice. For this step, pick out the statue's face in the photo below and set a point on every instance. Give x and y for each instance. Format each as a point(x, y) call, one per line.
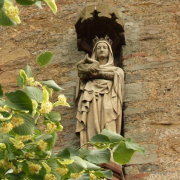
point(102, 50)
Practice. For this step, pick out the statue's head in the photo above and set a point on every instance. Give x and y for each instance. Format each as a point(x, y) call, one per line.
point(102, 50)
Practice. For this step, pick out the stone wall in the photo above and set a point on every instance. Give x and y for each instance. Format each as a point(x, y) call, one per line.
point(150, 61)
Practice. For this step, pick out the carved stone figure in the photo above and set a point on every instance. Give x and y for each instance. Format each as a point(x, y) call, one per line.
point(99, 93)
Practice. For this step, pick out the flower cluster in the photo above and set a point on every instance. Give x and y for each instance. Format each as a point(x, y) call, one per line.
point(62, 171)
point(31, 82)
point(76, 175)
point(5, 108)
point(17, 121)
point(93, 176)
point(6, 164)
point(42, 145)
point(46, 107)
point(62, 101)
point(34, 168)
point(50, 177)
point(6, 127)
point(19, 145)
point(30, 155)
point(25, 137)
point(12, 12)
point(51, 127)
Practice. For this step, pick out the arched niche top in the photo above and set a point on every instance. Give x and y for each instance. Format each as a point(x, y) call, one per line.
point(100, 20)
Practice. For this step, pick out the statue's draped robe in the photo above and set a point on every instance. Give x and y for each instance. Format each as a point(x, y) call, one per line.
point(99, 101)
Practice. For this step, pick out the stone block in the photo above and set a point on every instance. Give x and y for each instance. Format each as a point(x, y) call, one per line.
point(138, 91)
point(150, 155)
point(133, 110)
point(132, 78)
point(152, 65)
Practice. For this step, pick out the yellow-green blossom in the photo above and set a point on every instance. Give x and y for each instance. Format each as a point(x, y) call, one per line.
point(17, 121)
point(62, 171)
point(51, 127)
point(31, 82)
point(19, 145)
point(2, 146)
point(6, 164)
point(6, 127)
point(12, 12)
point(30, 155)
point(25, 137)
point(76, 175)
point(5, 108)
point(92, 177)
point(62, 101)
point(42, 145)
point(34, 168)
point(50, 177)
point(46, 107)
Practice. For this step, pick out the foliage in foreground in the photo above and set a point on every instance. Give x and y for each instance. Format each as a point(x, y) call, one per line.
point(9, 14)
point(28, 132)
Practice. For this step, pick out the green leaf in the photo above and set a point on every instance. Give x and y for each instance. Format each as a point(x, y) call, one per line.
point(27, 127)
point(99, 138)
point(121, 154)
point(19, 100)
point(4, 20)
point(54, 139)
point(65, 154)
point(45, 58)
point(54, 116)
point(11, 156)
point(44, 137)
point(83, 152)
point(114, 137)
point(20, 81)
point(12, 176)
point(130, 144)
point(91, 166)
point(36, 177)
point(34, 93)
point(2, 103)
point(73, 151)
point(78, 165)
point(52, 84)
point(99, 156)
point(39, 4)
point(52, 5)
point(106, 174)
point(48, 169)
point(45, 95)
point(26, 2)
point(1, 92)
point(28, 70)
point(1, 3)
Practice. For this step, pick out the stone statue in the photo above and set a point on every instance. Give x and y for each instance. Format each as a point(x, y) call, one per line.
point(99, 92)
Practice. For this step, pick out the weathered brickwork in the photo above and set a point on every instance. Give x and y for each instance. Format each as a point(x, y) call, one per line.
point(150, 60)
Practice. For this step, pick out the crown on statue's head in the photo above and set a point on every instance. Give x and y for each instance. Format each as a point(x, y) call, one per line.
point(106, 38)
